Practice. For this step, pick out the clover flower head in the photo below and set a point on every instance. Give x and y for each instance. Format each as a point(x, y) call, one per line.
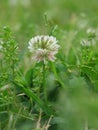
point(43, 48)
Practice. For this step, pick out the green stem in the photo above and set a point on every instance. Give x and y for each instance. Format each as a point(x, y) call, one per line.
point(90, 56)
point(44, 83)
point(56, 75)
point(13, 68)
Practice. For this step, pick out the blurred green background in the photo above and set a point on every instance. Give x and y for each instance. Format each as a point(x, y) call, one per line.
point(27, 18)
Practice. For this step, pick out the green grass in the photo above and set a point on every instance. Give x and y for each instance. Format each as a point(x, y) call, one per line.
point(62, 94)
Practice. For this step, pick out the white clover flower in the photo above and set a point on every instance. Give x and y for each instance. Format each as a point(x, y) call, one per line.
point(43, 48)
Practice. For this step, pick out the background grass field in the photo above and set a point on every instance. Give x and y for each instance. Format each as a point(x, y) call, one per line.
point(71, 81)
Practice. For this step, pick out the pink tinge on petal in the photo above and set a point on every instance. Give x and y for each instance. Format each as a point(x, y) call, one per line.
point(51, 57)
point(43, 48)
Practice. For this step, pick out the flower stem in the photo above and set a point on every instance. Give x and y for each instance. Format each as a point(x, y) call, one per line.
point(44, 83)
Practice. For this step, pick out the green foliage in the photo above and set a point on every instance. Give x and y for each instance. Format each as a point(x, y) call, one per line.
point(8, 56)
point(67, 89)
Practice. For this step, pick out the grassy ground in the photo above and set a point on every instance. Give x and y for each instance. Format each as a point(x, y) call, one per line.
point(60, 95)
